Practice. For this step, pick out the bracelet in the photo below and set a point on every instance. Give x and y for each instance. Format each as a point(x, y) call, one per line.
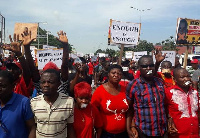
point(20, 56)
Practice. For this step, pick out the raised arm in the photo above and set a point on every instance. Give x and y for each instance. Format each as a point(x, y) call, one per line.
point(27, 40)
point(65, 59)
point(159, 58)
point(15, 47)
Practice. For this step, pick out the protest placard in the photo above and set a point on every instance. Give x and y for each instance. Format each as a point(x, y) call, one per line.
point(170, 56)
point(129, 54)
point(20, 27)
point(46, 55)
point(124, 32)
point(188, 31)
point(33, 53)
point(137, 55)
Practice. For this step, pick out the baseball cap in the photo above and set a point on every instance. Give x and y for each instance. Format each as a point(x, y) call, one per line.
point(194, 61)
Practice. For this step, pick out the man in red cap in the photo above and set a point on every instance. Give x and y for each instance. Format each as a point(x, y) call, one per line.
point(196, 73)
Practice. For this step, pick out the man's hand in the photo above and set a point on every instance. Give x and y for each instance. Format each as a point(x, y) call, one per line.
point(78, 67)
point(132, 132)
point(62, 38)
point(171, 127)
point(158, 55)
point(15, 46)
point(26, 37)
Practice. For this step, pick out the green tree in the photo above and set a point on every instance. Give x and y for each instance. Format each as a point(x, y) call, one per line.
point(169, 44)
point(99, 51)
point(110, 52)
point(52, 41)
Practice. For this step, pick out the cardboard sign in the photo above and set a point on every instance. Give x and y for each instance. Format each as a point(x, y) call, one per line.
point(46, 55)
point(48, 47)
point(137, 55)
point(124, 32)
point(170, 56)
point(20, 27)
point(188, 31)
point(129, 54)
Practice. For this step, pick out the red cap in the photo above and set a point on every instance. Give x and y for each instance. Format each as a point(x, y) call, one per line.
point(194, 61)
point(50, 65)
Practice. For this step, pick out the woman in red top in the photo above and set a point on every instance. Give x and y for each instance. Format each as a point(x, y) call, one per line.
point(86, 116)
point(111, 101)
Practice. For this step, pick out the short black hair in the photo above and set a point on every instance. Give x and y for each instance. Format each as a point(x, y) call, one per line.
point(143, 57)
point(176, 70)
point(115, 66)
point(8, 75)
point(57, 73)
point(166, 62)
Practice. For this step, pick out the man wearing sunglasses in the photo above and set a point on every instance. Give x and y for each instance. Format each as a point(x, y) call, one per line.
point(146, 116)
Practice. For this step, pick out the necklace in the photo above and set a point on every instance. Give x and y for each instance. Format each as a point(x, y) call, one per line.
point(82, 116)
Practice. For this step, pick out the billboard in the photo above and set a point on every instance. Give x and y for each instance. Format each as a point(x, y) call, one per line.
point(188, 31)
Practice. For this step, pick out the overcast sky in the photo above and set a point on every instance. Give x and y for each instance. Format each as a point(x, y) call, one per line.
point(86, 22)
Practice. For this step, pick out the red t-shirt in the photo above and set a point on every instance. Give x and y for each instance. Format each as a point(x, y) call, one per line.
point(183, 108)
point(21, 88)
point(168, 82)
point(85, 120)
point(91, 68)
point(112, 109)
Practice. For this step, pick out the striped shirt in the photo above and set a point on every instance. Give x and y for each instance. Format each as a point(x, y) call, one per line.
point(63, 88)
point(148, 105)
point(52, 121)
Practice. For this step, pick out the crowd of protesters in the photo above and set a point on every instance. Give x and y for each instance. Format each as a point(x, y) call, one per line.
point(130, 100)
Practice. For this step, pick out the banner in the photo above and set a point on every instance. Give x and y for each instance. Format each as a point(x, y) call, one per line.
point(188, 31)
point(170, 56)
point(124, 32)
point(48, 47)
point(129, 54)
point(46, 55)
point(137, 55)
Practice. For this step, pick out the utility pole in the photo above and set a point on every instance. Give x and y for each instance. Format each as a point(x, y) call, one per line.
point(2, 31)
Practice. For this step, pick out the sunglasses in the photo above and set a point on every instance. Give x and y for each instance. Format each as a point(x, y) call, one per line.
point(146, 66)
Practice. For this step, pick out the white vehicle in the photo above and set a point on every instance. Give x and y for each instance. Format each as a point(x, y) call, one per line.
point(190, 57)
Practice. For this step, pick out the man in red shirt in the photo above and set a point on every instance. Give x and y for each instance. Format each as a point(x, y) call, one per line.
point(183, 106)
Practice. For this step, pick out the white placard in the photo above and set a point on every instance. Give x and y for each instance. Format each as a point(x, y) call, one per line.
point(32, 49)
point(170, 56)
point(79, 54)
point(197, 49)
point(101, 54)
point(94, 58)
point(124, 32)
point(129, 54)
point(91, 55)
point(48, 47)
point(46, 55)
point(137, 55)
